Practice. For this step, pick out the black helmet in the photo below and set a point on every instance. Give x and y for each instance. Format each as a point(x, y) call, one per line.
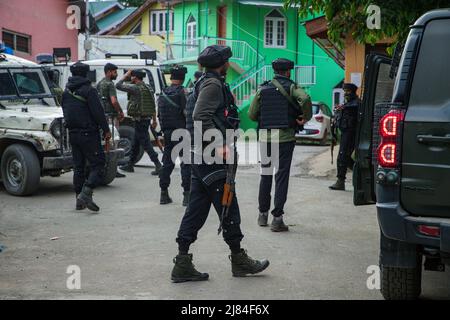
point(178, 73)
point(79, 69)
point(350, 86)
point(214, 56)
point(282, 64)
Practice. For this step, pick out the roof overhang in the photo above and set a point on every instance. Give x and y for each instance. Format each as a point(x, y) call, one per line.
point(317, 30)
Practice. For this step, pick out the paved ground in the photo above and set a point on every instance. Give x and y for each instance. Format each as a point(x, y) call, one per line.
point(126, 250)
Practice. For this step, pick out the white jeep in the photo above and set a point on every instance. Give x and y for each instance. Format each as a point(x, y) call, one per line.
point(154, 78)
point(33, 139)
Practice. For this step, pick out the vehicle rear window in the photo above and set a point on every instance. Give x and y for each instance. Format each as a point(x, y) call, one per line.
point(315, 108)
point(385, 85)
point(431, 84)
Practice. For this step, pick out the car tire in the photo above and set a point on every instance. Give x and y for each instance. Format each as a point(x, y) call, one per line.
point(21, 170)
point(401, 283)
point(110, 171)
point(126, 142)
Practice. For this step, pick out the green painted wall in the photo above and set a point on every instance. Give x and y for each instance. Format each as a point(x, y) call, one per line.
point(246, 23)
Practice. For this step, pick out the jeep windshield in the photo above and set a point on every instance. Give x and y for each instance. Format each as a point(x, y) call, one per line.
point(24, 86)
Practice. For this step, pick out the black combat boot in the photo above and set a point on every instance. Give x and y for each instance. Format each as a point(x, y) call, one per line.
point(85, 198)
point(165, 199)
point(278, 225)
point(127, 168)
point(79, 205)
point(157, 170)
point(184, 270)
point(242, 264)
point(186, 196)
point(339, 185)
point(262, 219)
point(120, 175)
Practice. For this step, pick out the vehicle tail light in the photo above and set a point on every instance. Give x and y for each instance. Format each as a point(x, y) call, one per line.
point(319, 118)
point(388, 151)
point(431, 231)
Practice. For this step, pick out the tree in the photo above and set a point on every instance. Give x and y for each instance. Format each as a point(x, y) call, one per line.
point(350, 17)
point(132, 3)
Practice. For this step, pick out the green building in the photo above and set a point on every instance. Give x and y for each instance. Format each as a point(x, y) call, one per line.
point(257, 32)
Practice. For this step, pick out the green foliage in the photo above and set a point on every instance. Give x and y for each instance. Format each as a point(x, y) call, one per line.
point(349, 17)
point(132, 3)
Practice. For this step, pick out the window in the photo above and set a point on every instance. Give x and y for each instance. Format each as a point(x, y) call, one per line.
point(158, 21)
point(17, 41)
point(6, 84)
point(191, 32)
point(275, 30)
point(136, 29)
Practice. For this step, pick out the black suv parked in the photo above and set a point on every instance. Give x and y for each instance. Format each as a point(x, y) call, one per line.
point(403, 155)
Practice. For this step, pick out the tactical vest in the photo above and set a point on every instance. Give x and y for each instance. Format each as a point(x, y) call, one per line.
point(348, 117)
point(170, 110)
point(143, 104)
point(103, 91)
point(276, 112)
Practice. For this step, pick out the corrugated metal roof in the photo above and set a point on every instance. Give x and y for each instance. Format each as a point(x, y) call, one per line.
point(114, 19)
point(97, 7)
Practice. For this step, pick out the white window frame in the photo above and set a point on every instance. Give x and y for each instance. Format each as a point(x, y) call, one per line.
point(191, 36)
point(275, 21)
point(155, 16)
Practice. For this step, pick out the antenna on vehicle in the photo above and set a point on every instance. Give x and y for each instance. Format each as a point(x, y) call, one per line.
point(148, 55)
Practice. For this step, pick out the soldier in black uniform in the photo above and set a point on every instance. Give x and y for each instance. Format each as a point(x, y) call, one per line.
point(281, 105)
point(346, 119)
point(172, 116)
point(213, 107)
point(84, 117)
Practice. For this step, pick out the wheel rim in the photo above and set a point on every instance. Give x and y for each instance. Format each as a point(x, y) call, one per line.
point(126, 145)
point(14, 172)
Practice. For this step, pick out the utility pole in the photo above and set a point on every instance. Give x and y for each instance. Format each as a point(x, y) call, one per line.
point(168, 16)
point(87, 43)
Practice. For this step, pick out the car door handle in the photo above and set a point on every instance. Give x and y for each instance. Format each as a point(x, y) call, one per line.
point(433, 139)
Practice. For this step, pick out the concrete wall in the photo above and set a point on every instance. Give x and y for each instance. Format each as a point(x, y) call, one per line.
point(43, 20)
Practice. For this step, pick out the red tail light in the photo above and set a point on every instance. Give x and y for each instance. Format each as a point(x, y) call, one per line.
point(430, 230)
point(388, 150)
point(389, 124)
point(319, 118)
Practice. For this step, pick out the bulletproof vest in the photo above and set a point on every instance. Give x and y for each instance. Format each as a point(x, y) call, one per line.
point(142, 105)
point(226, 116)
point(276, 112)
point(103, 91)
point(171, 113)
point(76, 109)
point(349, 115)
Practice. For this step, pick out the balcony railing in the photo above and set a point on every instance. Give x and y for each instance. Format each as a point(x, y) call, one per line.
point(189, 49)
